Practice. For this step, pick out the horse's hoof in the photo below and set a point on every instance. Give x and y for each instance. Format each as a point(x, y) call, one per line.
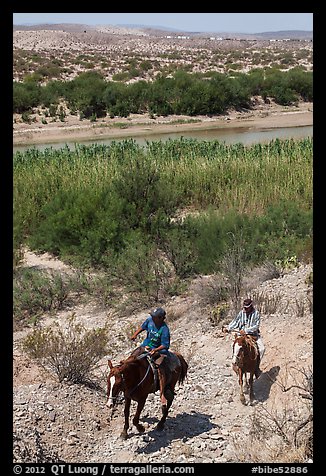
point(140, 428)
point(243, 400)
point(160, 426)
point(124, 436)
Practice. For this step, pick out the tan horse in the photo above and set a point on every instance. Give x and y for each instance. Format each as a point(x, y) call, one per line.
point(245, 355)
point(135, 378)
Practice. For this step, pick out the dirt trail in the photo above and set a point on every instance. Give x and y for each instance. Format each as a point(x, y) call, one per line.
point(206, 417)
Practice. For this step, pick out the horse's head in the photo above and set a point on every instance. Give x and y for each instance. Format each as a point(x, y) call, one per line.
point(244, 348)
point(115, 384)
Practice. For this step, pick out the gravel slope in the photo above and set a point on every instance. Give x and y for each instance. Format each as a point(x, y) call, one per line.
point(206, 423)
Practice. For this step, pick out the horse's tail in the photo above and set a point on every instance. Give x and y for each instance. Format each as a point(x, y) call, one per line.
point(184, 368)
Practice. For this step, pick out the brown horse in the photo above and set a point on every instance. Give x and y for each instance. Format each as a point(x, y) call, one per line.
point(135, 378)
point(244, 360)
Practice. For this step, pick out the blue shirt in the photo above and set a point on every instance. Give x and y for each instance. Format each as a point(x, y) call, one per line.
point(156, 336)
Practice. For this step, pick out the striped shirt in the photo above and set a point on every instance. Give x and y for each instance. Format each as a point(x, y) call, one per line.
point(248, 322)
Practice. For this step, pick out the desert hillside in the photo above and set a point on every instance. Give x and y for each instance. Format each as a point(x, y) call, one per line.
point(64, 51)
point(207, 422)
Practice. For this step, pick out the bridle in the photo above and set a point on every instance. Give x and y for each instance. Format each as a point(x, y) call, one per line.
point(123, 389)
point(250, 343)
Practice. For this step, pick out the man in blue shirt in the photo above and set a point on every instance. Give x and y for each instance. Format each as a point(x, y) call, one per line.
point(156, 343)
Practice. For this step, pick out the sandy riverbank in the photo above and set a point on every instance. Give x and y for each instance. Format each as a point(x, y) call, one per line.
point(140, 125)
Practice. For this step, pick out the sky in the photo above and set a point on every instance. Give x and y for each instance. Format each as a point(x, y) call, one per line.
point(200, 22)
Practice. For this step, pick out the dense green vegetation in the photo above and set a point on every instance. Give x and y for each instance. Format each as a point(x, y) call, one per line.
point(183, 93)
point(133, 210)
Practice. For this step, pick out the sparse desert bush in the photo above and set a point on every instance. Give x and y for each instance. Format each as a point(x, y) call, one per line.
point(72, 353)
point(219, 313)
point(287, 264)
point(85, 204)
point(211, 290)
point(265, 302)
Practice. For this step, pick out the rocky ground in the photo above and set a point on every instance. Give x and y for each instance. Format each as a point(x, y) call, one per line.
point(207, 422)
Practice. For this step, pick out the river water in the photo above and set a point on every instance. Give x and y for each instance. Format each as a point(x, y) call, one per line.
point(243, 135)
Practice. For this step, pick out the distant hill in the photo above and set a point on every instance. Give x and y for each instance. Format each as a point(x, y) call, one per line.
point(72, 27)
point(291, 34)
point(155, 29)
point(150, 27)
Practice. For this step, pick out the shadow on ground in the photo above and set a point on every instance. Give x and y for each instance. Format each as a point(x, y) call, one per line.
point(181, 427)
point(263, 385)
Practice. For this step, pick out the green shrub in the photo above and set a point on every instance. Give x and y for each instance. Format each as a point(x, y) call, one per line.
point(218, 313)
point(177, 243)
point(142, 268)
point(37, 291)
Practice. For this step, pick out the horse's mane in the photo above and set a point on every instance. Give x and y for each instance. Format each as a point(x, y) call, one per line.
point(251, 343)
point(131, 360)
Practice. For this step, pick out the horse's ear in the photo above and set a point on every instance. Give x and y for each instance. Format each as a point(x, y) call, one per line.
point(110, 364)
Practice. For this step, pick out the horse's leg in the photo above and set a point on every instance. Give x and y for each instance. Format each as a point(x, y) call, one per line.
point(160, 424)
point(135, 420)
point(165, 408)
point(162, 380)
point(242, 397)
point(251, 390)
point(124, 433)
point(246, 386)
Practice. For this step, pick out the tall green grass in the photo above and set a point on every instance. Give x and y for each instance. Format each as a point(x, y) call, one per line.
point(200, 172)
point(139, 187)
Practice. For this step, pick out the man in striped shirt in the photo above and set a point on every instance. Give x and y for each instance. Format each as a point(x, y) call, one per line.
point(248, 322)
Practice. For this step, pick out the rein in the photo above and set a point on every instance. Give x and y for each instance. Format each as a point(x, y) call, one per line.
point(138, 384)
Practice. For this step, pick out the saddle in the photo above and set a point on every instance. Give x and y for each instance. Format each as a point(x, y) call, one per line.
point(170, 362)
point(154, 367)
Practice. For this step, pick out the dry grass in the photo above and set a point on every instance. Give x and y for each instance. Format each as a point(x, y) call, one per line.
point(281, 432)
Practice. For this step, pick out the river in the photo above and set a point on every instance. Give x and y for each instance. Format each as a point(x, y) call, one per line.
point(243, 135)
